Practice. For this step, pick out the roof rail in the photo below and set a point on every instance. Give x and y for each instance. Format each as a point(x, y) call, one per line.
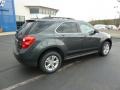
point(31, 20)
point(57, 18)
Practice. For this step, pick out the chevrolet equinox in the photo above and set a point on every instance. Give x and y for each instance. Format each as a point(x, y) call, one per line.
point(46, 42)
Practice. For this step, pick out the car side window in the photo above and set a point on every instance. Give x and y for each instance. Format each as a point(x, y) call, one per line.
point(68, 27)
point(86, 28)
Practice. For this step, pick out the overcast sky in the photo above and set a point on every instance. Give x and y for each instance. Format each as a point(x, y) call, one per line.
point(84, 9)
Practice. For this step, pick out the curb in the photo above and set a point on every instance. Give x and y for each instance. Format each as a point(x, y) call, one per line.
point(7, 33)
point(115, 37)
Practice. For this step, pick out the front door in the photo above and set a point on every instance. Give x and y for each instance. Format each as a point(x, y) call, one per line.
point(91, 40)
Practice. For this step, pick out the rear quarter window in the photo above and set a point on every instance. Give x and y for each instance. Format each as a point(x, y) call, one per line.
point(41, 26)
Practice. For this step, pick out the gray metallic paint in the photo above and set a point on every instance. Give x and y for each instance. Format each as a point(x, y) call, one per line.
point(69, 44)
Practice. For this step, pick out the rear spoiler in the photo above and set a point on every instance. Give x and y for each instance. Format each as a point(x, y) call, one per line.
point(30, 20)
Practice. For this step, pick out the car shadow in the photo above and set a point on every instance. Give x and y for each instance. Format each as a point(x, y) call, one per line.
point(33, 71)
point(81, 59)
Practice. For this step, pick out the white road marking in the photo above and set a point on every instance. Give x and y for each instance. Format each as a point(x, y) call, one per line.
point(65, 67)
point(33, 79)
point(23, 83)
point(69, 65)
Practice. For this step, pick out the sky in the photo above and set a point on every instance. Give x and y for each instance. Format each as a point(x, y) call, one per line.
point(84, 9)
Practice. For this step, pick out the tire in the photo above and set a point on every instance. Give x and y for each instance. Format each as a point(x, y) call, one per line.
point(105, 49)
point(50, 62)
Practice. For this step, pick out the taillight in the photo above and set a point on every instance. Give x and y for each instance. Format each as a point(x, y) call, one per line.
point(28, 41)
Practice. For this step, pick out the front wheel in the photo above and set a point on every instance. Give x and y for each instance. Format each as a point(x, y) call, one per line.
point(50, 62)
point(105, 49)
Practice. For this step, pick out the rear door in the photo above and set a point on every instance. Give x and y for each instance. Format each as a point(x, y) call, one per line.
point(70, 35)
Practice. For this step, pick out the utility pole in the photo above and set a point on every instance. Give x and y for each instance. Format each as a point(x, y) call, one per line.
point(115, 19)
point(119, 12)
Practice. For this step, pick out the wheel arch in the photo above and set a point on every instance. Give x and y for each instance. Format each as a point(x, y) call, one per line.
point(109, 40)
point(56, 49)
point(101, 46)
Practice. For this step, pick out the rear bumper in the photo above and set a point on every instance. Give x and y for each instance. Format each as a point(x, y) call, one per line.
point(26, 60)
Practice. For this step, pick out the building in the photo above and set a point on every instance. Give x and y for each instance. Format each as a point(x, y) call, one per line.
point(27, 9)
point(13, 13)
point(7, 16)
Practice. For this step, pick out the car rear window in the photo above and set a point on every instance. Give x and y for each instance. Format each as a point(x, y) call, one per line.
point(23, 30)
point(40, 26)
point(26, 26)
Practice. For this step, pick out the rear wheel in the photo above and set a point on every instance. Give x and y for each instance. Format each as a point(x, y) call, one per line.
point(50, 62)
point(105, 48)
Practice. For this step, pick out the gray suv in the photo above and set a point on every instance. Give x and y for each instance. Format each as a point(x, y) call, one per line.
point(46, 42)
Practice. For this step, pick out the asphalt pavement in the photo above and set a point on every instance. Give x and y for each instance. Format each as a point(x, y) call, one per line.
point(90, 72)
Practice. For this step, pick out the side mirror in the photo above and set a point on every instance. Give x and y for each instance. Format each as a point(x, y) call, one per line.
point(96, 31)
point(93, 32)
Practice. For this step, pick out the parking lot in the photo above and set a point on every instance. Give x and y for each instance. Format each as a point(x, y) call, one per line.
point(85, 73)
